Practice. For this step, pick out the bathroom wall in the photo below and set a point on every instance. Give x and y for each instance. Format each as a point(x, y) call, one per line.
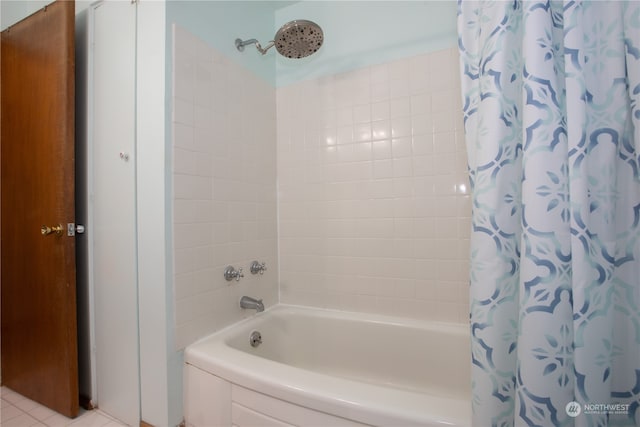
point(224, 186)
point(361, 33)
point(374, 210)
point(219, 23)
point(372, 199)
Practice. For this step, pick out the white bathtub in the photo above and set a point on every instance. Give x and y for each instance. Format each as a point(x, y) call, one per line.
point(323, 367)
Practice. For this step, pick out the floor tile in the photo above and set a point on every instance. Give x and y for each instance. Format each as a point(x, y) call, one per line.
point(4, 403)
point(41, 412)
point(9, 412)
point(18, 411)
point(11, 396)
point(22, 420)
point(26, 405)
point(91, 419)
point(57, 420)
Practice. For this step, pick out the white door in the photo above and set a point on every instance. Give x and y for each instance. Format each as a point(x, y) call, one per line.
point(112, 65)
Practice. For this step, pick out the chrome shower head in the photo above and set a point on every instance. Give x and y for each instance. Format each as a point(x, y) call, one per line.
point(298, 39)
point(295, 39)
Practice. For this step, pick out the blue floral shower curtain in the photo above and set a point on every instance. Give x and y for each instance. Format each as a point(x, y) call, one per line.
point(551, 94)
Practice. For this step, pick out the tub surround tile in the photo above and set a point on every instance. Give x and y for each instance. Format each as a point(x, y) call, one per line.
point(352, 188)
point(383, 225)
point(224, 187)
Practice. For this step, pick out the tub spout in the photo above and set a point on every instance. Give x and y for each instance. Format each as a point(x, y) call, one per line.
point(251, 303)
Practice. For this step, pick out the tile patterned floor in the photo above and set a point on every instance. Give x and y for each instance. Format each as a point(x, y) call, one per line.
point(18, 411)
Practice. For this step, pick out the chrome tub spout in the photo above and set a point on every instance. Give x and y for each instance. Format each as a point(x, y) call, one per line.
point(251, 303)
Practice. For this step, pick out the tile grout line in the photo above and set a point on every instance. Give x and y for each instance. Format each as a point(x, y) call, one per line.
point(48, 417)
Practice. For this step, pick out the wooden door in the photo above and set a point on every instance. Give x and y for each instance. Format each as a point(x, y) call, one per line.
point(39, 330)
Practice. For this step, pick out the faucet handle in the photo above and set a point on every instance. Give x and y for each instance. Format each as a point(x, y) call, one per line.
point(257, 267)
point(231, 273)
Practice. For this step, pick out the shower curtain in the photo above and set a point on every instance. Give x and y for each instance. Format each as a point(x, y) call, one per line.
point(551, 95)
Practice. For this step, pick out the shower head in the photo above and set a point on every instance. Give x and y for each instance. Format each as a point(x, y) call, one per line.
point(295, 39)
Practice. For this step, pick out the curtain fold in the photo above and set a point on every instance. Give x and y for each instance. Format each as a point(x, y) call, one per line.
point(551, 96)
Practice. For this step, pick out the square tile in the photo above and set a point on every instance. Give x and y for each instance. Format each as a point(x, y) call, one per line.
point(406, 174)
point(9, 412)
point(22, 420)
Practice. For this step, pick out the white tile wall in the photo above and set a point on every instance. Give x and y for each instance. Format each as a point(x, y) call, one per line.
point(374, 210)
point(224, 187)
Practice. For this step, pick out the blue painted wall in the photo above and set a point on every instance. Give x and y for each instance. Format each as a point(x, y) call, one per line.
point(362, 33)
point(219, 23)
point(357, 33)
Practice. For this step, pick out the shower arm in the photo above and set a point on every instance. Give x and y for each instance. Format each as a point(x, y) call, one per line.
point(240, 44)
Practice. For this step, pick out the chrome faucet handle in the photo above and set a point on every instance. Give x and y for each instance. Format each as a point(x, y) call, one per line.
point(231, 273)
point(257, 267)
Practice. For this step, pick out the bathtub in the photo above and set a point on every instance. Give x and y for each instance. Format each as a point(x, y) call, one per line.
point(329, 368)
